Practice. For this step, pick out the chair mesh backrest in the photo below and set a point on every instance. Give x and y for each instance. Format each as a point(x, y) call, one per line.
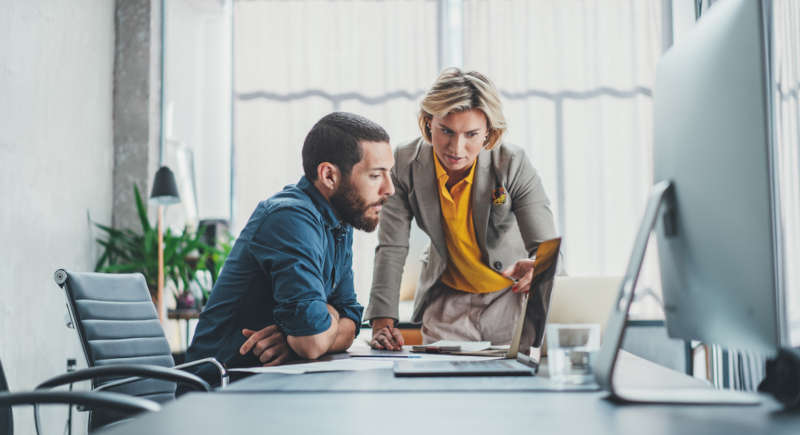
point(6, 419)
point(118, 324)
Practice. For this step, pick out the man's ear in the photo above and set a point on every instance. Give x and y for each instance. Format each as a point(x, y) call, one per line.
point(329, 176)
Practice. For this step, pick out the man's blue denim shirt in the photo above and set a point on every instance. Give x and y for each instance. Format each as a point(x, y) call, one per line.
point(293, 256)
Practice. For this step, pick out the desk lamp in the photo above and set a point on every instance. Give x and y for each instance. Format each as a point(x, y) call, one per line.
point(164, 193)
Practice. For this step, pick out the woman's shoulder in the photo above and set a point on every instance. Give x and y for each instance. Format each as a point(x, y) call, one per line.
point(507, 151)
point(511, 163)
point(409, 151)
point(506, 156)
point(410, 147)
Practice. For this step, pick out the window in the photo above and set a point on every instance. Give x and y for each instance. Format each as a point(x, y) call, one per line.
point(579, 99)
point(196, 108)
point(297, 61)
point(786, 115)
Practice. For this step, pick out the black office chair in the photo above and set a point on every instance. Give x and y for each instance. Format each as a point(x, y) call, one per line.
point(95, 400)
point(118, 325)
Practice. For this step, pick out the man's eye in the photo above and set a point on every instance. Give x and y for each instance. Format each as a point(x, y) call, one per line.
point(375, 176)
point(446, 131)
point(472, 134)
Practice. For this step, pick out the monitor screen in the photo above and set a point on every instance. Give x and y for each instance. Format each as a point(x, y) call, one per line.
point(720, 267)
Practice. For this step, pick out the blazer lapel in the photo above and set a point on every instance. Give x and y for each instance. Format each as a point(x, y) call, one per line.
point(426, 189)
point(482, 185)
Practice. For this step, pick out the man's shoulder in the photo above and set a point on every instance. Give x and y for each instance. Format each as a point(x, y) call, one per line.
point(289, 206)
point(292, 196)
point(292, 202)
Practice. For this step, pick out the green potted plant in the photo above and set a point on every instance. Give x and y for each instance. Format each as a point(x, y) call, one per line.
point(185, 254)
point(213, 259)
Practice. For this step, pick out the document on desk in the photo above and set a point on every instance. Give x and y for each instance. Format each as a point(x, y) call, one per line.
point(407, 354)
point(449, 346)
point(337, 365)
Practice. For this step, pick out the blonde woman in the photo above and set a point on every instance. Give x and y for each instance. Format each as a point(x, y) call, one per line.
point(483, 206)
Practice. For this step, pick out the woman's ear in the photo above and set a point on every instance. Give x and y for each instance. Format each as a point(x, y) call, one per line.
point(492, 137)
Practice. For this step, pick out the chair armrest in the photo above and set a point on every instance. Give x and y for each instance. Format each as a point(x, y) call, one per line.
point(139, 371)
point(117, 401)
point(223, 372)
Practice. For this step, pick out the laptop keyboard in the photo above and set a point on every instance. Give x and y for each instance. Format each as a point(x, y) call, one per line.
point(495, 367)
point(490, 365)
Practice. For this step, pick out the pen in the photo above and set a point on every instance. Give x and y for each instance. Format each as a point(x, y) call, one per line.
point(385, 356)
point(391, 337)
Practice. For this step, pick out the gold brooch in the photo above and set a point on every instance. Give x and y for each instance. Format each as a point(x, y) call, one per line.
point(499, 196)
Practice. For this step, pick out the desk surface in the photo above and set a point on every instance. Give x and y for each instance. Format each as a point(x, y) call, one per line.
point(640, 371)
point(383, 380)
point(295, 410)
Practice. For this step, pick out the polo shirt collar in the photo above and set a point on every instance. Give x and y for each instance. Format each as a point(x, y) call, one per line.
point(325, 208)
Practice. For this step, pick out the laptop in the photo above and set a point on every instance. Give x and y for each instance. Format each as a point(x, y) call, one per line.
point(512, 363)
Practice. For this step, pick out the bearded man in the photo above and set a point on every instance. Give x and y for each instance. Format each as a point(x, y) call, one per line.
point(287, 286)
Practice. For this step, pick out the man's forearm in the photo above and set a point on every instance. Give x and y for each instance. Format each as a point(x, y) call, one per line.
point(344, 336)
point(314, 346)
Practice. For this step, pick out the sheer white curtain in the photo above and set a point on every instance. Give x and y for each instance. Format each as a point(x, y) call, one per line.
point(196, 107)
point(786, 116)
point(576, 79)
point(299, 60)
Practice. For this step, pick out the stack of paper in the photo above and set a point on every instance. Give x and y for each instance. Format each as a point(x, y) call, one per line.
point(448, 346)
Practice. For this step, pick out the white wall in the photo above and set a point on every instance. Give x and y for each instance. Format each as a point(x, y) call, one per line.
point(56, 147)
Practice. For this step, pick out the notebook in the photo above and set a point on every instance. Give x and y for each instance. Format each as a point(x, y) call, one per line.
point(511, 362)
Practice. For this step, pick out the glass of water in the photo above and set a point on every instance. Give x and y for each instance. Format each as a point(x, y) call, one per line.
point(570, 349)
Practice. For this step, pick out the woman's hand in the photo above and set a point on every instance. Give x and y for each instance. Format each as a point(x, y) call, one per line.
point(385, 336)
point(521, 273)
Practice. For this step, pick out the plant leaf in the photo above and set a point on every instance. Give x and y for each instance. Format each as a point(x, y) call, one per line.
point(142, 210)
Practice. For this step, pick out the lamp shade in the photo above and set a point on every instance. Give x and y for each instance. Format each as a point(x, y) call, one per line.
point(165, 190)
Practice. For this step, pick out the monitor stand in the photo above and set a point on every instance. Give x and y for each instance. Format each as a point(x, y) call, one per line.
point(662, 197)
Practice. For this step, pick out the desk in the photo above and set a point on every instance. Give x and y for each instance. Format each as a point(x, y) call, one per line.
point(439, 412)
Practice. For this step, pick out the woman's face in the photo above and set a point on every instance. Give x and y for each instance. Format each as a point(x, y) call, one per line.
point(458, 139)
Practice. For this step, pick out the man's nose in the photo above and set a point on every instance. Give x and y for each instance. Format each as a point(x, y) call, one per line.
point(387, 187)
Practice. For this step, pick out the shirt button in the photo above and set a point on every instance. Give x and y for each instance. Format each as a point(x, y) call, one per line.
point(498, 265)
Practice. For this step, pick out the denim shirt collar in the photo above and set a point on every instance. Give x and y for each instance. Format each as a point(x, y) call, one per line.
point(329, 216)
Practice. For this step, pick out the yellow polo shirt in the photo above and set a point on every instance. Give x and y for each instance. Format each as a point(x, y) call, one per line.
point(465, 270)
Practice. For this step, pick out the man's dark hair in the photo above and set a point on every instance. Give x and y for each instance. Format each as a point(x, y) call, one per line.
point(336, 139)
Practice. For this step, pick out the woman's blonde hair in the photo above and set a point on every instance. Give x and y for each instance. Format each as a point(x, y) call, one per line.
point(458, 91)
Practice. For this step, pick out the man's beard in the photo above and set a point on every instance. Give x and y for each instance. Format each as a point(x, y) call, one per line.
point(352, 208)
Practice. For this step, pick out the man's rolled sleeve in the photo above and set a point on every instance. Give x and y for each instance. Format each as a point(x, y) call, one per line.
point(344, 299)
point(303, 318)
point(289, 247)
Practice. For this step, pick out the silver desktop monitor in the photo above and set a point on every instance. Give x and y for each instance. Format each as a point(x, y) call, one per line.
point(719, 270)
point(713, 205)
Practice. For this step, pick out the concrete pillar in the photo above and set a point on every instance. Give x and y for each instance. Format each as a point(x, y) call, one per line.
point(137, 104)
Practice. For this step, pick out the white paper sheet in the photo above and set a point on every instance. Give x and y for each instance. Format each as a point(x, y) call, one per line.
point(345, 364)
